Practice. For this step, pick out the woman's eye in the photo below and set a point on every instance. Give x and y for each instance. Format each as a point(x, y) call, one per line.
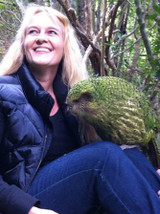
point(52, 32)
point(33, 32)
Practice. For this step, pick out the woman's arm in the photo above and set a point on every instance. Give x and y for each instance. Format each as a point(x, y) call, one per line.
point(12, 198)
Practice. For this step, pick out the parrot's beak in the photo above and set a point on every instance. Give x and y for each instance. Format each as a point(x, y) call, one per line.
point(69, 104)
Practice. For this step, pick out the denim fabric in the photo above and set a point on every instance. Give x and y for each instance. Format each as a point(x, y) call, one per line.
point(99, 173)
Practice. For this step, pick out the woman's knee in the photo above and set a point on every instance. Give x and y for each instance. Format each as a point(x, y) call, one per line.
point(100, 151)
point(101, 147)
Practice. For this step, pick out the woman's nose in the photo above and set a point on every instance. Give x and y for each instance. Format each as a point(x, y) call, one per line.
point(41, 38)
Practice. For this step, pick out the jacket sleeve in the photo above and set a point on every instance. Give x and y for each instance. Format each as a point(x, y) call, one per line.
point(13, 199)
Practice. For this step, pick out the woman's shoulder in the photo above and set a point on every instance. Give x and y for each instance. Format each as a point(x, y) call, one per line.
point(10, 88)
point(9, 79)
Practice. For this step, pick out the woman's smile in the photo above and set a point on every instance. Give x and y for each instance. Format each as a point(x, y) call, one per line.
point(42, 50)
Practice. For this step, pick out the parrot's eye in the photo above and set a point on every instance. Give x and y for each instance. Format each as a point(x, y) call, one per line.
point(83, 98)
point(76, 101)
point(86, 96)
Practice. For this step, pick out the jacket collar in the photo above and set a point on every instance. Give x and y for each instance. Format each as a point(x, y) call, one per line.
point(35, 93)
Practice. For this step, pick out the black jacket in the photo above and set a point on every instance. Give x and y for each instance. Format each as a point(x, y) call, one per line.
point(25, 134)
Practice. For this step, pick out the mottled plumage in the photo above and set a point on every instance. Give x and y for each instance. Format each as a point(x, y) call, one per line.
point(116, 109)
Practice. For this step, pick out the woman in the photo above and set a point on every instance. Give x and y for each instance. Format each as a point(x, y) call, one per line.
point(43, 167)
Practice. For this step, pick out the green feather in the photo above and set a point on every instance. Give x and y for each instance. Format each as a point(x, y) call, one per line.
point(116, 109)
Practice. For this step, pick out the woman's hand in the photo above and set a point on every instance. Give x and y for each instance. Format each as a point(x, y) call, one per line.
point(36, 210)
point(158, 171)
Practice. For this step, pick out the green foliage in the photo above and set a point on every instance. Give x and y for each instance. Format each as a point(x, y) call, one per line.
point(156, 8)
point(10, 19)
point(2, 6)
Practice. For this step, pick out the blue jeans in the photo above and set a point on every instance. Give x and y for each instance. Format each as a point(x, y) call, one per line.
point(121, 182)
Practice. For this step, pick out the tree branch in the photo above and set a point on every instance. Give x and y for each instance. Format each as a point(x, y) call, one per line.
point(114, 10)
point(141, 21)
point(103, 38)
point(78, 28)
point(88, 19)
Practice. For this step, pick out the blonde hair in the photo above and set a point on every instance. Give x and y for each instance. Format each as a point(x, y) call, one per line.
point(74, 69)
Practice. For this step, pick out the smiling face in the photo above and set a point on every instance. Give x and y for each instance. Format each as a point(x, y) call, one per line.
point(44, 41)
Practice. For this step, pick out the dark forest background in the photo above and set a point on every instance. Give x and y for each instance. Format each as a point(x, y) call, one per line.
point(119, 38)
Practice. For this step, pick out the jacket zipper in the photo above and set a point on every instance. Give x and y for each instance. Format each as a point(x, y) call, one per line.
point(40, 161)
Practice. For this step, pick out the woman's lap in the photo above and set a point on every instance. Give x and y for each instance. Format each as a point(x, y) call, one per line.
point(101, 172)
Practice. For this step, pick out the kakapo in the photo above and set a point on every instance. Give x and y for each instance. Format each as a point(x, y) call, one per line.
point(117, 110)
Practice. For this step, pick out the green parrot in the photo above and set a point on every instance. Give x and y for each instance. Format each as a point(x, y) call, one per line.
point(117, 110)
